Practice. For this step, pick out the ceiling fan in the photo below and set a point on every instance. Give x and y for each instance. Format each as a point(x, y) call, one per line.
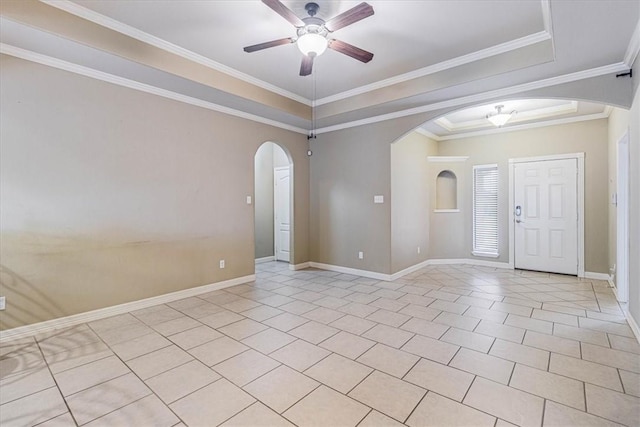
point(313, 32)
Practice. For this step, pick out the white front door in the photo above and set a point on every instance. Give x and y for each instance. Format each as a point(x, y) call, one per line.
point(282, 206)
point(546, 216)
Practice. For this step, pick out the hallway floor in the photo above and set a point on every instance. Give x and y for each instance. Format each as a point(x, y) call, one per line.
point(446, 345)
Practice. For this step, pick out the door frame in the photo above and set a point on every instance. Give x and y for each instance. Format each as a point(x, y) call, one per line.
point(580, 180)
point(622, 218)
point(275, 210)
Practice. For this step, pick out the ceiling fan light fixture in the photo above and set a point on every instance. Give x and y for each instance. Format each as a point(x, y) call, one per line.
point(499, 118)
point(312, 44)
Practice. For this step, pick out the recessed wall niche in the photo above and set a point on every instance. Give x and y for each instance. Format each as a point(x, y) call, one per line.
point(446, 191)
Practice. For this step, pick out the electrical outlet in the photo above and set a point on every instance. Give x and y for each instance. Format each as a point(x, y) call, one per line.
point(360, 255)
point(3, 301)
point(221, 263)
point(248, 200)
point(418, 249)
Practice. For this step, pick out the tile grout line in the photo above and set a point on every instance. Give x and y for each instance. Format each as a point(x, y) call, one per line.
point(152, 392)
point(56, 383)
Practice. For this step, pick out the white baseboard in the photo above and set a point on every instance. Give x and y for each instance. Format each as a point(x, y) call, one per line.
point(354, 271)
point(102, 313)
point(300, 266)
point(597, 276)
point(265, 259)
point(632, 324)
point(471, 261)
point(411, 269)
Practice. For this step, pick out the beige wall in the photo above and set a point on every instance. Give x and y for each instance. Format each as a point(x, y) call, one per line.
point(634, 203)
point(348, 168)
point(410, 199)
point(618, 126)
point(110, 195)
point(448, 236)
point(589, 137)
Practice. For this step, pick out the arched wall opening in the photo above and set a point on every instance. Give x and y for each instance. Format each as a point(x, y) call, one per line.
point(273, 204)
point(450, 231)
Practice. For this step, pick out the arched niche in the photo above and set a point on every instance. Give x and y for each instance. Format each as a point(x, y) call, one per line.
point(446, 191)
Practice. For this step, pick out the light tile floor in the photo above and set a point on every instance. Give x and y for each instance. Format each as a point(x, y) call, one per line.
point(446, 345)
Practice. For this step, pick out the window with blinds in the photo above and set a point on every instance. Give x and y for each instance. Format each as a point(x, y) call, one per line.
point(485, 210)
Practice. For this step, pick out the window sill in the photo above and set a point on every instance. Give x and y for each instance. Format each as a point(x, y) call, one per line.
point(485, 254)
point(446, 210)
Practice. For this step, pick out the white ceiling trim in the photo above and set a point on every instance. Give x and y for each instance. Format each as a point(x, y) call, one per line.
point(548, 23)
point(541, 36)
point(444, 123)
point(428, 134)
point(482, 97)
point(520, 116)
point(442, 66)
point(525, 126)
point(634, 46)
point(546, 16)
point(447, 159)
point(132, 84)
point(105, 21)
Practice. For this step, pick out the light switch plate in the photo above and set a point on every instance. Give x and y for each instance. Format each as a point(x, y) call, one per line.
point(3, 301)
point(378, 199)
point(248, 200)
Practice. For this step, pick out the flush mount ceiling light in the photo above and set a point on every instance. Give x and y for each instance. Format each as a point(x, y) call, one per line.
point(499, 118)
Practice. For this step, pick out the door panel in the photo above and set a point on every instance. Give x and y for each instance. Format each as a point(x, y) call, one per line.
point(282, 213)
point(546, 232)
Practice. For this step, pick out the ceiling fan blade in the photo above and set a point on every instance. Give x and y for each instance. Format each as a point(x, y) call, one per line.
point(266, 45)
point(307, 65)
point(355, 14)
point(350, 50)
point(285, 12)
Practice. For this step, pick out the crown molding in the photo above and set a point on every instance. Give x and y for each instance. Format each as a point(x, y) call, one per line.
point(441, 66)
point(634, 46)
point(132, 84)
point(482, 97)
point(105, 21)
point(120, 81)
point(535, 125)
point(447, 159)
point(426, 133)
point(521, 116)
point(100, 19)
point(445, 123)
point(548, 23)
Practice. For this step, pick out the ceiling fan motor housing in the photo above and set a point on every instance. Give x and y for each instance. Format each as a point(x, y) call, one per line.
point(312, 8)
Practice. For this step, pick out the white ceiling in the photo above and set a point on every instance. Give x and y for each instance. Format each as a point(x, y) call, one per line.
point(428, 54)
point(526, 113)
point(403, 35)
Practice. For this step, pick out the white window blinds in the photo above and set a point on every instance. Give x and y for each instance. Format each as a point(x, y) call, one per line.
point(485, 210)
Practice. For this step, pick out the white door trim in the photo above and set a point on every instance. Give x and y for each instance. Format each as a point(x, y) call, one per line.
point(580, 158)
point(622, 219)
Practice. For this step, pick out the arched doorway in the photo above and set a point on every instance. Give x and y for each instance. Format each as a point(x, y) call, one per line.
point(273, 228)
